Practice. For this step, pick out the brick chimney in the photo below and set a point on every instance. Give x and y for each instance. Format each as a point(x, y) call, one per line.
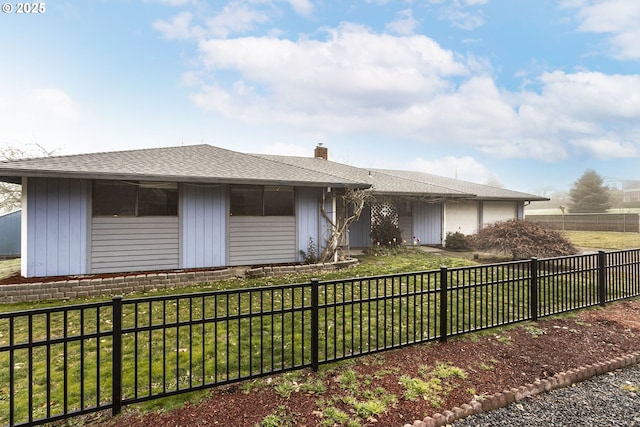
point(321, 152)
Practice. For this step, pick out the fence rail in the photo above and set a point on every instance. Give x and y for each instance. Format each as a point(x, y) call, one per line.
point(624, 222)
point(60, 362)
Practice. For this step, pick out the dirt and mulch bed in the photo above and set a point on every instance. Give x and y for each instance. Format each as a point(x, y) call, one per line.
point(400, 386)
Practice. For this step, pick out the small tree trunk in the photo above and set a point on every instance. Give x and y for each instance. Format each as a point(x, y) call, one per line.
point(353, 202)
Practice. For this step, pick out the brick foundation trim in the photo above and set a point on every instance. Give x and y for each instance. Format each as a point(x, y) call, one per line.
point(88, 286)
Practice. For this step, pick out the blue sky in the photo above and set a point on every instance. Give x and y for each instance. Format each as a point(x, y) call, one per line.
point(530, 93)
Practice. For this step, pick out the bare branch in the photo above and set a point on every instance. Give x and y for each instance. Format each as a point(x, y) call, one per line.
point(11, 194)
point(353, 202)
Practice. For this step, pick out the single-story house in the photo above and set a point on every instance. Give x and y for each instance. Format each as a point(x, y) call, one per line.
point(202, 206)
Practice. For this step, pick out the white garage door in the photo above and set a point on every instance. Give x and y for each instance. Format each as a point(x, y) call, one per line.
point(462, 217)
point(498, 211)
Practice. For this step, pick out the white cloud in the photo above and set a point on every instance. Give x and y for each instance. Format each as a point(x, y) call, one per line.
point(178, 27)
point(354, 73)
point(593, 95)
point(463, 14)
point(302, 7)
point(38, 116)
point(465, 168)
point(171, 2)
point(410, 88)
point(618, 19)
point(462, 19)
point(404, 24)
point(603, 148)
point(284, 149)
point(351, 79)
point(52, 104)
point(234, 18)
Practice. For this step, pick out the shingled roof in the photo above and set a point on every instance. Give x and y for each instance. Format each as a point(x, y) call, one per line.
point(382, 183)
point(481, 191)
point(195, 163)
point(408, 183)
point(209, 164)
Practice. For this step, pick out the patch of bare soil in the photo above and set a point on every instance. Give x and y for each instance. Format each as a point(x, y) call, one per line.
point(493, 361)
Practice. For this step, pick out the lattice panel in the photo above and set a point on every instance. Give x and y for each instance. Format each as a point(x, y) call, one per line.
point(380, 210)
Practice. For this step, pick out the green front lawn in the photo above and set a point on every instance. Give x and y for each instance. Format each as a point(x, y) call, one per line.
point(606, 240)
point(9, 267)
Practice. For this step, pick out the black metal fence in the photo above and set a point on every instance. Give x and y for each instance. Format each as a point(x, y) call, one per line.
point(60, 362)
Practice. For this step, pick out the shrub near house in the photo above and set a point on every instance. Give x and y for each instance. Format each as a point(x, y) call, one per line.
point(521, 239)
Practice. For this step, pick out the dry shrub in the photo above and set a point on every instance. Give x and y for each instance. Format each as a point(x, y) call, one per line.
point(521, 240)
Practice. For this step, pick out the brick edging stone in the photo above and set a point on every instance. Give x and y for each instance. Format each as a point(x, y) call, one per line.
point(91, 286)
point(506, 397)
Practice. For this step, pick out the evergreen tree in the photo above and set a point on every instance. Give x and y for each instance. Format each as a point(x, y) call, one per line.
point(589, 194)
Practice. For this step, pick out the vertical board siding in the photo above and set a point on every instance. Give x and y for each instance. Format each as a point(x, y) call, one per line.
point(308, 218)
point(462, 217)
point(427, 223)
point(498, 211)
point(262, 240)
point(121, 244)
point(204, 224)
point(10, 226)
point(56, 217)
point(360, 230)
point(520, 208)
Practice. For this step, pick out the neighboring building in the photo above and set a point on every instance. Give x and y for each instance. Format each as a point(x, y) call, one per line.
point(202, 206)
point(10, 234)
point(631, 194)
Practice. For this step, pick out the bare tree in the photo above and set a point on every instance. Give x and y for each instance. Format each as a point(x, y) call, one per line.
point(350, 207)
point(11, 194)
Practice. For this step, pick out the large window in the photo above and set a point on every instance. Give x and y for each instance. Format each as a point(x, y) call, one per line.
point(256, 200)
point(120, 198)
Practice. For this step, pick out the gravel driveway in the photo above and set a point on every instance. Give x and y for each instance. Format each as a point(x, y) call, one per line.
point(611, 399)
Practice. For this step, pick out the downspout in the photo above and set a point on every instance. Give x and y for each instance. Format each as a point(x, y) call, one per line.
point(24, 248)
point(443, 227)
point(334, 219)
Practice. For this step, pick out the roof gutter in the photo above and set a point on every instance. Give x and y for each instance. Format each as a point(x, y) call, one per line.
point(15, 177)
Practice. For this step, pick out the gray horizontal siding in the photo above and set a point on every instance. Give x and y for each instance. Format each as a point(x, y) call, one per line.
point(262, 240)
point(134, 244)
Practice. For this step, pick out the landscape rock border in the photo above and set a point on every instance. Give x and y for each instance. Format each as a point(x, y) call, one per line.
point(506, 397)
point(95, 286)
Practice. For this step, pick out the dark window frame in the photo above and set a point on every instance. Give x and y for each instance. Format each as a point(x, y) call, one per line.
point(112, 198)
point(262, 200)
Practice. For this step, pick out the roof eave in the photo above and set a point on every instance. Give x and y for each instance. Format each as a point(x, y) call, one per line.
point(423, 195)
point(15, 177)
point(512, 199)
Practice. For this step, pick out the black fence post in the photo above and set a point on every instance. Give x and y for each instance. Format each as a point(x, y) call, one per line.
point(116, 361)
point(533, 301)
point(602, 278)
point(314, 325)
point(444, 276)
